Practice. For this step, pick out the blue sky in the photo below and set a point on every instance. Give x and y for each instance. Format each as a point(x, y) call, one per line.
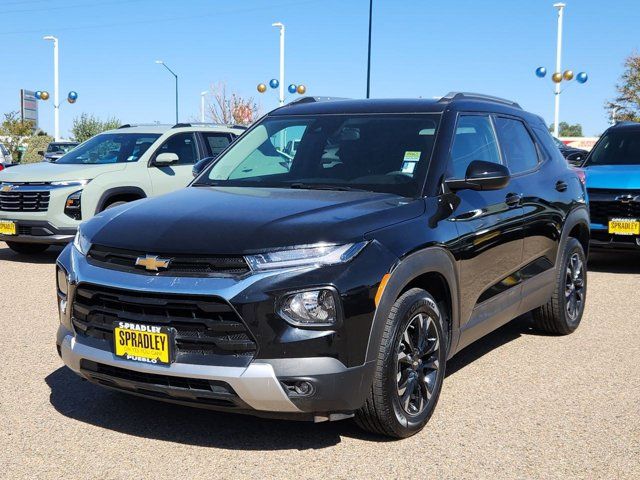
point(420, 48)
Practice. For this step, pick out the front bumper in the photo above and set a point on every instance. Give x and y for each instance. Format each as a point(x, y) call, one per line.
point(602, 239)
point(33, 231)
point(331, 361)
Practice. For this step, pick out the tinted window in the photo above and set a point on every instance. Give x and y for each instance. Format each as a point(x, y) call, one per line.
point(617, 148)
point(519, 150)
point(216, 143)
point(379, 153)
point(183, 145)
point(110, 148)
point(474, 140)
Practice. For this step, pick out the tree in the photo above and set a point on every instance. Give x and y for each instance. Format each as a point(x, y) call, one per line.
point(567, 130)
point(35, 143)
point(231, 109)
point(626, 105)
point(14, 131)
point(86, 126)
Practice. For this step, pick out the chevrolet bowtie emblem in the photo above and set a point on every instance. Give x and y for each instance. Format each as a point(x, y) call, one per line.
point(6, 188)
point(627, 198)
point(152, 262)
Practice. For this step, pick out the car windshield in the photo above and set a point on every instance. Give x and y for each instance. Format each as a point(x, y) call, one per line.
point(60, 147)
point(617, 148)
point(111, 148)
point(387, 153)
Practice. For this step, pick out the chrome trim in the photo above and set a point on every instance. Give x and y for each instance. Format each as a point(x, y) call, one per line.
point(256, 385)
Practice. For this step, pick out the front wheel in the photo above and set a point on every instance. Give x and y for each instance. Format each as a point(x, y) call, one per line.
point(27, 248)
point(562, 314)
point(409, 370)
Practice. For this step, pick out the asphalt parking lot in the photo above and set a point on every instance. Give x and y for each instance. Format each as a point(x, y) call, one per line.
point(517, 404)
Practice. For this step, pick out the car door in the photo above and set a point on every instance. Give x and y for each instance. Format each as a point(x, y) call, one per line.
point(542, 194)
point(169, 178)
point(489, 223)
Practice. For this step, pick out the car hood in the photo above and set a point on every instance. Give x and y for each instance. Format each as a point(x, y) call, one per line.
point(613, 176)
point(210, 220)
point(52, 172)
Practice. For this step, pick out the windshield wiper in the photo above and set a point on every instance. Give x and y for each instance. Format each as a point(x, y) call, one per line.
point(322, 186)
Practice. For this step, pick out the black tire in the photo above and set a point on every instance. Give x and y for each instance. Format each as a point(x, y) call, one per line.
point(27, 248)
point(559, 316)
point(113, 205)
point(383, 412)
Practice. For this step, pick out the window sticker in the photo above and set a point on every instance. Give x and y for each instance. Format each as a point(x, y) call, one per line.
point(410, 160)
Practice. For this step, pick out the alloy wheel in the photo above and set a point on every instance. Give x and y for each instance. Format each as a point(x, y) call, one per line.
point(574, 286)
point(418, 364)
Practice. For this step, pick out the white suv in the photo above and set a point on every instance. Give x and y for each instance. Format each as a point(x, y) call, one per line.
point(43, 203)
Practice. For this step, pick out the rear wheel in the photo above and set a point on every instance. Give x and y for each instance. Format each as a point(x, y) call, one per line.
point(409, 370)
point(27, 248)
point(562, 314)
point(113, 205)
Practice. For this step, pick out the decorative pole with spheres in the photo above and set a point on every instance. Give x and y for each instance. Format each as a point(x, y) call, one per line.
point(274, 83)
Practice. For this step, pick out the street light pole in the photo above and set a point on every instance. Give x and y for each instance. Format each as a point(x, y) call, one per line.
point(56, 98)
point(202, 95)
point(556, 118)
point(369, 49)
point(161, 62)
point(281, 27)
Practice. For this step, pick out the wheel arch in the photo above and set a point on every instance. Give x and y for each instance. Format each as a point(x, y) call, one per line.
point(432, 269)
point(129, 193)
point(576, 226)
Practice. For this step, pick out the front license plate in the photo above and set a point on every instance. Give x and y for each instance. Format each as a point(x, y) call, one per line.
point(7, 227)
point(143, 343)
point(624, 226)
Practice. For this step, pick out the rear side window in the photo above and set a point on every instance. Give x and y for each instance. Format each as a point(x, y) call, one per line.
point(216, 142)
point(474, 140)
point(517, 145)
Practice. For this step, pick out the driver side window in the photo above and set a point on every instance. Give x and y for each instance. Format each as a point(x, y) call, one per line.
point(474, 139)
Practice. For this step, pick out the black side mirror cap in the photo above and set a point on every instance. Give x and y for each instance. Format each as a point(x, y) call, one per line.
point(200, 165)
point(482, 175)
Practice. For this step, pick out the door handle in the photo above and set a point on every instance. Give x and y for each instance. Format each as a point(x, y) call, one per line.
point(561, 186)
point(513, 199)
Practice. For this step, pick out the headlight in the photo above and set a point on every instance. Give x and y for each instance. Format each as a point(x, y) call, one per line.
point(81, 242)
point(70, 183)
point(313, 308)
point(72, 207)
point(320, 254)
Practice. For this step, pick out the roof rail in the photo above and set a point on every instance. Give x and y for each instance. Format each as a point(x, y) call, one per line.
point(314, 100)
point(129, 125)
point(478, 96)
point(626, 122)
point(206, 124)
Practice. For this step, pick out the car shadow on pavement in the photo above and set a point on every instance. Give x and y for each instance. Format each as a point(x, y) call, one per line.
point(48, 256)
point(615, 262)
point(81, 400)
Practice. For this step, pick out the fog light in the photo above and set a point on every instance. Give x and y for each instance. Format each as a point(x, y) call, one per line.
point(313, 308)
point(63, 306)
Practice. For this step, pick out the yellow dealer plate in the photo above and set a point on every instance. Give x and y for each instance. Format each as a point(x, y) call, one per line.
point(7, 227)
point(624, 226)
point(143, 343)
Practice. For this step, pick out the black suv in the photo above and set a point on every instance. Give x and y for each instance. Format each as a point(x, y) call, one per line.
point(337, 281)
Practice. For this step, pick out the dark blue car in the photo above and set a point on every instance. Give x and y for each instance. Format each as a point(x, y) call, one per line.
point(613, 181)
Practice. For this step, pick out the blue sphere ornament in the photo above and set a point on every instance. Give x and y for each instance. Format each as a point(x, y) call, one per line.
point(72, 95)
point(541, 72)
point(38, 94)
point(274, 83)
point(292, 88)
point(582, 77)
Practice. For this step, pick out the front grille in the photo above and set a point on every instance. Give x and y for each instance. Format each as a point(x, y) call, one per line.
point(207, 328)
point(24, 201)
point(180, 264)
point(212, 392)
point(603, 205)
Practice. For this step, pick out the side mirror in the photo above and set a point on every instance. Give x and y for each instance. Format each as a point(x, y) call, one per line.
point(166, 159)
point(41, 153)
point(201, 165)
point(482, 175)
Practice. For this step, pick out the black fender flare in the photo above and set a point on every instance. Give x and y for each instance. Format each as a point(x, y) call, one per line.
point(429, 260)
point(577, 216)
point(107, 194)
